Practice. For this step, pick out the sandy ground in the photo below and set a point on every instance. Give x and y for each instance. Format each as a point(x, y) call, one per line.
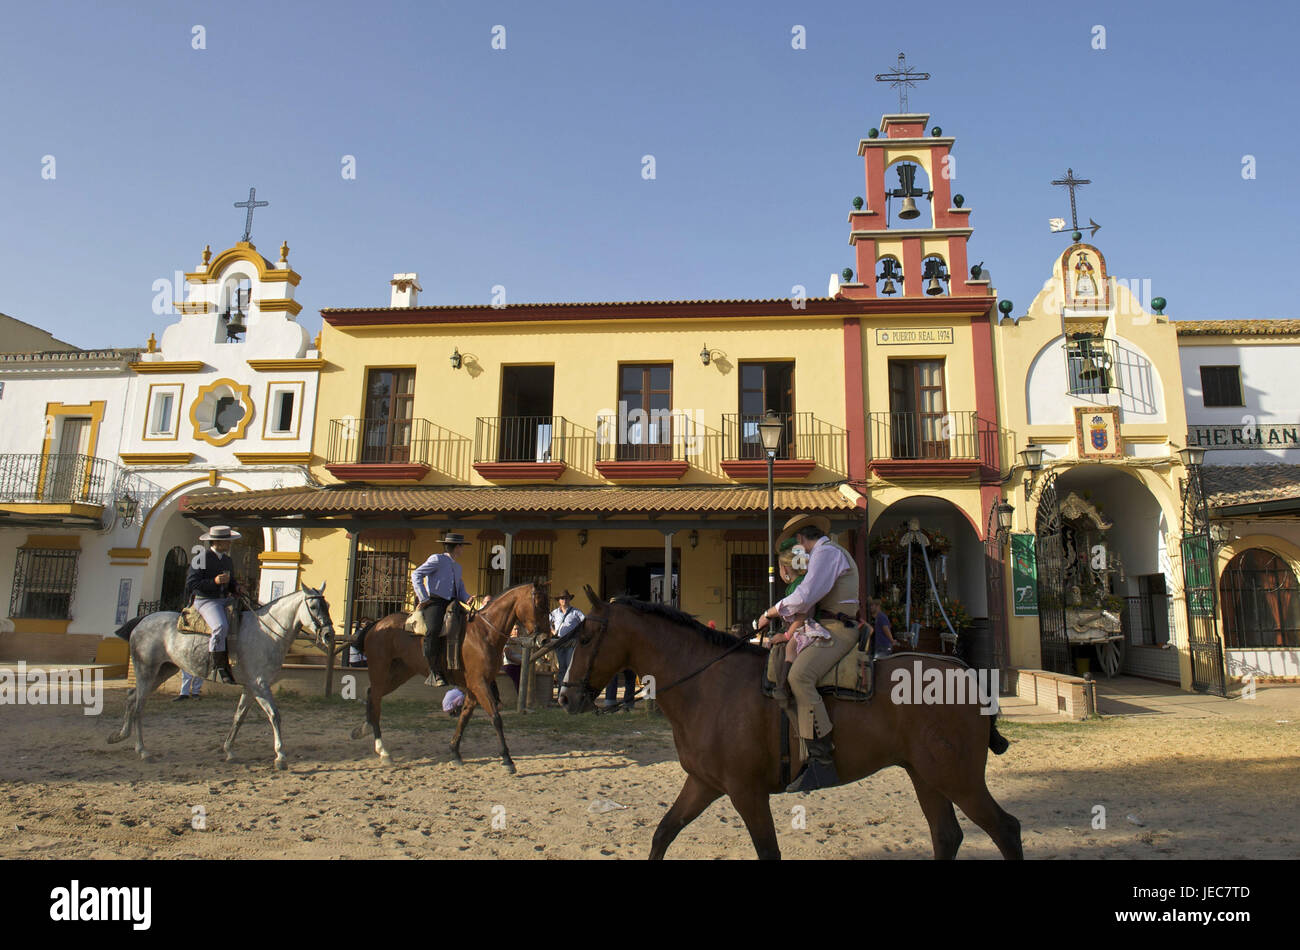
point(1171, 788)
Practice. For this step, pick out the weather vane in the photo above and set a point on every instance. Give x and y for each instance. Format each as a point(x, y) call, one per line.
point(250, 204)
point(901, 77)
point(1058, 224)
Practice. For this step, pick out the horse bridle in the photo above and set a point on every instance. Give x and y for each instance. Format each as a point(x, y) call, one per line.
point(590, 693)
point(320, 631)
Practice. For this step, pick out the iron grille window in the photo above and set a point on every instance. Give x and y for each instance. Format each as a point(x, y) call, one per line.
point(44, 579)
point(1221, 386)
point(746, 581)
point(529, 561)
point(382, 579)
point(1090, 362)
point(1261, 601)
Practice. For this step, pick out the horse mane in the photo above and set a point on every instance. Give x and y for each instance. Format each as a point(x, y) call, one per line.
point(681, 618)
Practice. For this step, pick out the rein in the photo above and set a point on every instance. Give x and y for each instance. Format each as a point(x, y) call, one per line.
point(585, 684)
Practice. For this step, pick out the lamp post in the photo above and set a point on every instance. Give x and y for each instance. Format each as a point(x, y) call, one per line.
point(769, 431)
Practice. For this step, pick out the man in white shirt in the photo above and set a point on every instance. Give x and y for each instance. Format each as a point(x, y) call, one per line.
point(437, 583)
point(564, 620)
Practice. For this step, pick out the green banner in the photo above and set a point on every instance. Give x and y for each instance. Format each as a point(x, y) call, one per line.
point(1197, 579)
point(1024, 576)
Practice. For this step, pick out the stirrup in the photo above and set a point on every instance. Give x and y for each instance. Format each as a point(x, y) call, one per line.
point(814, 775)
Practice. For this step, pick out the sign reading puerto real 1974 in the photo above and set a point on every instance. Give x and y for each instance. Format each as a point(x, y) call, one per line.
point(914, 335)
point(1246, 436)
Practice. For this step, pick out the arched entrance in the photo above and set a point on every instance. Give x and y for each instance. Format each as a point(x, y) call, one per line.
point(955, 556)
point(1104, 574)
point(1261, 602)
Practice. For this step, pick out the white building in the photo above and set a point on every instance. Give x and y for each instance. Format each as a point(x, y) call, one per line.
point(224, 403)
point(1243, 409)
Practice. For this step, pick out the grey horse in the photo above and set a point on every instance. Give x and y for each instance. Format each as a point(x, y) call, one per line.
point(158, 649)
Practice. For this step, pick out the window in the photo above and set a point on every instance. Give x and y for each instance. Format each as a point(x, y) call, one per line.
point(390, 410)
point(1261, 601)
point(645, 393)
point(382, 578)
point(917, 410)
point(44, 579)
point(283, 407)
point(284, 412)
point(746, 581)
point(1221, 386)
point(763, 387)
point(530, 560)
point(1090, 362)
point(162, 414)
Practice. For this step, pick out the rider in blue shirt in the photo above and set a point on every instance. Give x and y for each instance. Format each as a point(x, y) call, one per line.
point(437, 583)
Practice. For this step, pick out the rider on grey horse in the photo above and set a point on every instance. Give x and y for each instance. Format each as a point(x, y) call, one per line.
point(211, 581)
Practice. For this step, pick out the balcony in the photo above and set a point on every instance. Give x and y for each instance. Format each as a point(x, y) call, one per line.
point(634, 448)
point(520, 448)
point(1092, 366)
point(806, 442)
point(381, 449)
point(925, 444)
point(77, 486)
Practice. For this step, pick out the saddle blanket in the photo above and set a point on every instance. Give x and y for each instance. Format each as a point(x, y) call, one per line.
point(192, 621)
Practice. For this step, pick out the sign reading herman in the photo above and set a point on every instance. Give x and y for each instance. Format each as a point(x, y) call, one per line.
point(1245, 436)
point(916, 335)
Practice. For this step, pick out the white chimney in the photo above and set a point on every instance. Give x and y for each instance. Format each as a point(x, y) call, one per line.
point(406, 290)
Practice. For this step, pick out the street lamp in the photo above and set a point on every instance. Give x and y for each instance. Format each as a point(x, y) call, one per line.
point(769, 430)
point(1191, 457)
point(1005, 513)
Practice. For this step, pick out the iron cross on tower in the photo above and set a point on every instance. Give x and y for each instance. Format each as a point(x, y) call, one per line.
point(901, 77)
point(250, 204)
point(1069, 181)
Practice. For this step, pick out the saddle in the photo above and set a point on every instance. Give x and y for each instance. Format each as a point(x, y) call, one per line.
point(192, 621)
point(852, 678)
point(454, 622)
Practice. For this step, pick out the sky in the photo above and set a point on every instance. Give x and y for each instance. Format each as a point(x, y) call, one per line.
point(523, 167)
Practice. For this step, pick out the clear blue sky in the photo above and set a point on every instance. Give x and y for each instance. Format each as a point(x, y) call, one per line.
point(522, 167)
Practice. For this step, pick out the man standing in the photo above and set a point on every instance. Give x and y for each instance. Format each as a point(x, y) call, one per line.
point(564, 620)
point(883, 637)
point(828, 594)
point(437, 582)
point(211, 582)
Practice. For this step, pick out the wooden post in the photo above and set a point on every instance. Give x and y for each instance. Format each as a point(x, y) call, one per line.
point(348, 592)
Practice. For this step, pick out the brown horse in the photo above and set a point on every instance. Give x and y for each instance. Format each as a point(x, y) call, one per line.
point(394, 655)
point(727, 731)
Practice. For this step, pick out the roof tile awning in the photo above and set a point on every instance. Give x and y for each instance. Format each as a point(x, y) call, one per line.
point(348, 503)
point(1230, 486)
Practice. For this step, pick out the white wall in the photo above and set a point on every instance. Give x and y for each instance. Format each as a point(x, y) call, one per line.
point(1270, 374)
point(1049, 403)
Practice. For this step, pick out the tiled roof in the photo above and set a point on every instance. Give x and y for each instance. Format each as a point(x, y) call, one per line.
point(570, 303)
point(420, 501)
point(1237, 327)
point(1227, 485)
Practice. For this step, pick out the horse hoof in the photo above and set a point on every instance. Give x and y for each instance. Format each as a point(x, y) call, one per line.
point(510, 767)
point(360, 730)
point(281, 763)
point(115, 737)
point(150, 756)
point(230, 757)
point(385, 759)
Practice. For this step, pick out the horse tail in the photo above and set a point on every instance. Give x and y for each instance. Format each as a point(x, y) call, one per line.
point(124, 631)
point(359, 641)
point(997, 742)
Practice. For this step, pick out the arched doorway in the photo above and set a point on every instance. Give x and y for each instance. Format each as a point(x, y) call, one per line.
point(1261, 602)
point(955, 557)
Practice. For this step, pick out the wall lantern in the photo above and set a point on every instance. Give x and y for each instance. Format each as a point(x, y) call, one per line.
point(456, 358)
point(582, 537)
point(695, 538)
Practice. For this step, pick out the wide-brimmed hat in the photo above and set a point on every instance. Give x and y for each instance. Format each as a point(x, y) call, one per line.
point(566, 594)
point(452, 537)
point(791, 527)
point(220, 532)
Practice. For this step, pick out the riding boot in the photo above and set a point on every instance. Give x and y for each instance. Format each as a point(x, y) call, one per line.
point(819, 770)
point(221, 666)
point(432, 650)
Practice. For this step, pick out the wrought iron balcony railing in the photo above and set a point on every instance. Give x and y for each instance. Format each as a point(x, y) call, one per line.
point(520, 439)
point(57, 479)
point(1092, 366)
point(742, 441)
point(924, 435)
point(381, 441)
point(638, 437)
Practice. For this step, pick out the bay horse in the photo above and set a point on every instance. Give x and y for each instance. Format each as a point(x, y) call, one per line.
point(394, 655)
point(727, 732)
point(257, 652)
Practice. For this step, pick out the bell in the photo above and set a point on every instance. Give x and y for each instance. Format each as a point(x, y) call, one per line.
point(909, 209)
point(889, 289)
point(933, 288)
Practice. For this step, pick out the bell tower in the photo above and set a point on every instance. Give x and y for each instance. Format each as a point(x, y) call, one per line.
point(896, 260)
